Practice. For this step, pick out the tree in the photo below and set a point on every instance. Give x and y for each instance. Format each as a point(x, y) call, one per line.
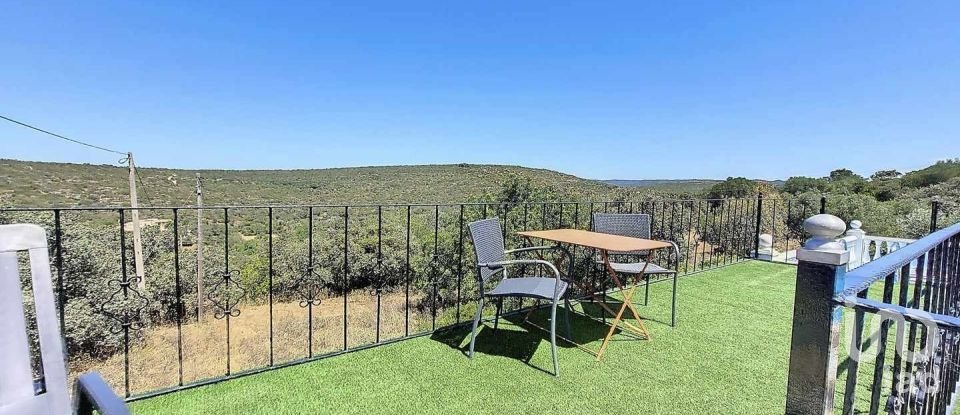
point(733, 187)
point(800, 184)
point(845, 181)
point(885, 184)
point(885, 175)
point(843, 174)
point(515, 190)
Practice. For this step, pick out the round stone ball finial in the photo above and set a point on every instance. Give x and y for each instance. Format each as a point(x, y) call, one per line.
point(855, 224)
point(825, 229)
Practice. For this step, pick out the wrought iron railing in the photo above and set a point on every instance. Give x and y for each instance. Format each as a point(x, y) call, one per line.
point(286, 284)
point(915, 371)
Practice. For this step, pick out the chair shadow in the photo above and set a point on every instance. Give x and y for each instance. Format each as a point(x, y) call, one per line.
point(518, 339)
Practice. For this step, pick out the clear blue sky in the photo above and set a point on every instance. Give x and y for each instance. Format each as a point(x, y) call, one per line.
point(639, 90)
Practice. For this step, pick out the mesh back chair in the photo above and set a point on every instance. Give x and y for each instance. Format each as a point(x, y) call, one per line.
point(487, 236)
point(635, 225)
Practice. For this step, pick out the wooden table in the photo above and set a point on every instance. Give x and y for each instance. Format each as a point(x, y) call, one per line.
point(605, 244)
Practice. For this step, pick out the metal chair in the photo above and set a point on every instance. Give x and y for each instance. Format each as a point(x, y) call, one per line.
point(20, 394)
point(487, 236)
point(636, 225)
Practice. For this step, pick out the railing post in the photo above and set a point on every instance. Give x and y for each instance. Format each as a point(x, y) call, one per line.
point(816, 318)
point(756, 236)
point(934, 212)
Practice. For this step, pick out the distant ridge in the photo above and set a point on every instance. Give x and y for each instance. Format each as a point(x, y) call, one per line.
point(667, 185)
point(46, 184)
point(676, 185)
point(658, 182)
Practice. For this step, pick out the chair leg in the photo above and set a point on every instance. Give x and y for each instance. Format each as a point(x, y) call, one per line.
point(476, 320)
point(646, 290)
point(567, 317)
point(496, 318)
point(673, 305)
point(553, 337)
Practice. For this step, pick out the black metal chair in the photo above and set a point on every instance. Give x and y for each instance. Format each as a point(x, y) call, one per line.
point(487, 236)
point(636, 225)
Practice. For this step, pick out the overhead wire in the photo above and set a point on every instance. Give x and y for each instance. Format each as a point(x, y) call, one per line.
point(125, 160)
point(61, 136)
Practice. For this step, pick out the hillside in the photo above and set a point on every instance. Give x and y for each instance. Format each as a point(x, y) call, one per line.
point(42, 184)
point(939, 172)
point(677, 186)
point(668, 185)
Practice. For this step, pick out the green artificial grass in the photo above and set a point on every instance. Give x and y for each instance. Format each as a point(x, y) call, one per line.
point(727, 355)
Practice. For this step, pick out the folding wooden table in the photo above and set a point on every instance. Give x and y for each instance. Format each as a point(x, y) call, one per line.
point(605, 244)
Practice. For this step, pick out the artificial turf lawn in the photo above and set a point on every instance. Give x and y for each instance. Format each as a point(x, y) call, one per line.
point(727, 355)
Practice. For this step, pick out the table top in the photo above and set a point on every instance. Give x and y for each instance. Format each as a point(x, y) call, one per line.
point(604, 241)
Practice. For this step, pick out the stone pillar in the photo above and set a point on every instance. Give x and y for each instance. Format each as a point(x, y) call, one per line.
point(765, 249)
point(816, 318)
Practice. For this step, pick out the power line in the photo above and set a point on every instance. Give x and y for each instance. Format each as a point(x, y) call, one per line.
point(62, 137)
point(143, 186)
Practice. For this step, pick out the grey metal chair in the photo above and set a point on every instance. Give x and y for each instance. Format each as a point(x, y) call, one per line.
point(636, 225)
point(487, 236)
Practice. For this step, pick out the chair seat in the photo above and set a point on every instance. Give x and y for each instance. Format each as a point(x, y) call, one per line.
point(528, 287)
point(637, 267)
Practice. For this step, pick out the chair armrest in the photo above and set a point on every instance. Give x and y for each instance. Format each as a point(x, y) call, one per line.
point(676, 249)
point(509, 262)
point(92, 393)
point(503, 264)
point(563, 252)
point(531, 248)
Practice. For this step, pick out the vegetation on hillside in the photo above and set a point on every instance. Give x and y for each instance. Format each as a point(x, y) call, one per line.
point(668, 185)
point(40, 184)
point(331, 254)
point(888, 203)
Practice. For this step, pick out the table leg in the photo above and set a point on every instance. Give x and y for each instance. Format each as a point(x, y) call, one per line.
point(627, 305)
point(618, 321)
point(627, 295)
point(613, 328)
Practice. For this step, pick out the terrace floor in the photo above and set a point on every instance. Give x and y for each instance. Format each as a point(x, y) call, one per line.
point(728, 354)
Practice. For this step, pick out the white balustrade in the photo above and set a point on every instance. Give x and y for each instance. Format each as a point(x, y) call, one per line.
point(865, 248)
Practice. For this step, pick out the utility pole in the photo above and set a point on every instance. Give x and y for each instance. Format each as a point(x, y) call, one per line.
point(137, 241)
point(199, 248)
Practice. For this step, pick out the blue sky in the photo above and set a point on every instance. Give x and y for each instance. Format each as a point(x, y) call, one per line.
point(639, 90)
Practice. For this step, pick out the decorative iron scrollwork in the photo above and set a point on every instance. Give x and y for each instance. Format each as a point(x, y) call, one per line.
point(125, 305)
point(226, 294)
point(309, 287)
point(381, 283)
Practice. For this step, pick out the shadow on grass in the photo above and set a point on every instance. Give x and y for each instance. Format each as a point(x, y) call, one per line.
point(596, 311)
point(518, 339)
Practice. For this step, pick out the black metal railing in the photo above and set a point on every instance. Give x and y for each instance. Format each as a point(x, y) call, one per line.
point(782, 218)
point(283, 284)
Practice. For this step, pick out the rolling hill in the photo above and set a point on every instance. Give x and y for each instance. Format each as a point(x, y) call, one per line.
point(668, 185)
point(43, 184)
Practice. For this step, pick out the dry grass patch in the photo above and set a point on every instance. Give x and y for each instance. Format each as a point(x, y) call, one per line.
point(153, 364)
